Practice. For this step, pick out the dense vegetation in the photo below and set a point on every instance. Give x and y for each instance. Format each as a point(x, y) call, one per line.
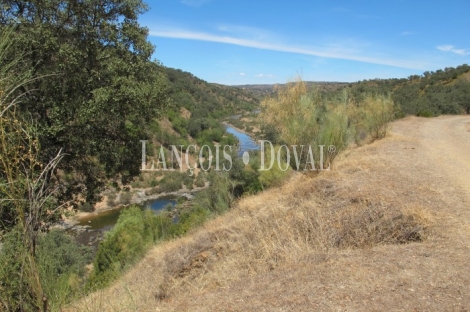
point(76, 84)
point(194, 110)
point(94, 85)
point(205, 99)
point(431, 94)
point(78, 90)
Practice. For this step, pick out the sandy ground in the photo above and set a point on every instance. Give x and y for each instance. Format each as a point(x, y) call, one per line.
point(421, 163)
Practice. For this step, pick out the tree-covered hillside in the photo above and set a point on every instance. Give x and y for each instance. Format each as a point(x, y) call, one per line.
point(205, 99)
point(444, 91)
point(264, 90)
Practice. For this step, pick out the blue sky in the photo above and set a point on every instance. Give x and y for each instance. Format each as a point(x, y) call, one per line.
point(262, 42)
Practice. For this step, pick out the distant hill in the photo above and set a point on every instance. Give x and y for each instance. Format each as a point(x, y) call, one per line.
point(263, 90)
point(445, 91)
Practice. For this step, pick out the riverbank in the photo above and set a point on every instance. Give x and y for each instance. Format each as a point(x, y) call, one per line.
point(252, 135)
point(142, 195)
point(139, 197)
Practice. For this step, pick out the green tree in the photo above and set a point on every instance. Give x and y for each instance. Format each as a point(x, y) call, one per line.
point(98, 85)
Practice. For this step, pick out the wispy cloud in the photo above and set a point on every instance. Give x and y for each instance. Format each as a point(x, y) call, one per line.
point(252, 33)
point(242, 74)
point(264, 75)
point(406, 33)
point(194, 3)
point(325, 51)
point(451, 48)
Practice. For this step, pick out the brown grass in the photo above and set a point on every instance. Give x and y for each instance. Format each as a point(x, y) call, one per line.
point(279, 227)
point(379, 231)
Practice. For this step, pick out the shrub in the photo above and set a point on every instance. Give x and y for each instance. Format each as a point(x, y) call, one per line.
point(330, 121)
point(126, 197)
point(188, 180)
point(12, 283)
point(425, 113)
point(377, 111)
point(121, 247)
point(61, 264)
point(171, 182)
point(218, 197)
point(199, 181)
point(190, 219)
point(87, 207)
point(111, 199)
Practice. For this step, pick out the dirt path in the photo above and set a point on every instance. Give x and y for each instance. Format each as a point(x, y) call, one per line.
point(423, 164)
point(448, 144)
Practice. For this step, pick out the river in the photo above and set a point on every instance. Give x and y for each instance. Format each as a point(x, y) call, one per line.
point(90, 229)
point(246, 142)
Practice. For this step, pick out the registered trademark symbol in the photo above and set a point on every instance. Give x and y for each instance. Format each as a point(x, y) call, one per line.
point(246, 158)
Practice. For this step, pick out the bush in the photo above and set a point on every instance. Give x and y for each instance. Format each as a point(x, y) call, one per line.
point(188, 180)
point(111, 199)
point(218, 197)
point(135, 231)
point(61, 264)
point(121, 247)
point(12, 283)
point(199, 181)
point(377, 111)
point(87, 207)
point(190, 219)
point(425, 113)
point(172, 181)
point(126, 197)
point(330, 121)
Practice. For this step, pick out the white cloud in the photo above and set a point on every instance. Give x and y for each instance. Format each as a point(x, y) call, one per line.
point(264, 75)
point(242, 74)
point(325, 51)
point(451, 48)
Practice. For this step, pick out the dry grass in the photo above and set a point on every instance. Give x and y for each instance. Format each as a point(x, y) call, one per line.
point(279, 227)
point(377, 232)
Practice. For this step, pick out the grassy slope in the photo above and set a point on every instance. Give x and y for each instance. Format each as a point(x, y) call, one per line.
point(325, 243)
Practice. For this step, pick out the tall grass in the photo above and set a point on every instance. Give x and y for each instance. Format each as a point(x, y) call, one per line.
point(307, 117)
point(26, 189)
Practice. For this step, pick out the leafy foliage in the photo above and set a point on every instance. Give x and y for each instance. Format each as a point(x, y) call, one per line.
point(122, 246)
point(61, 265)
point(98, 84)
